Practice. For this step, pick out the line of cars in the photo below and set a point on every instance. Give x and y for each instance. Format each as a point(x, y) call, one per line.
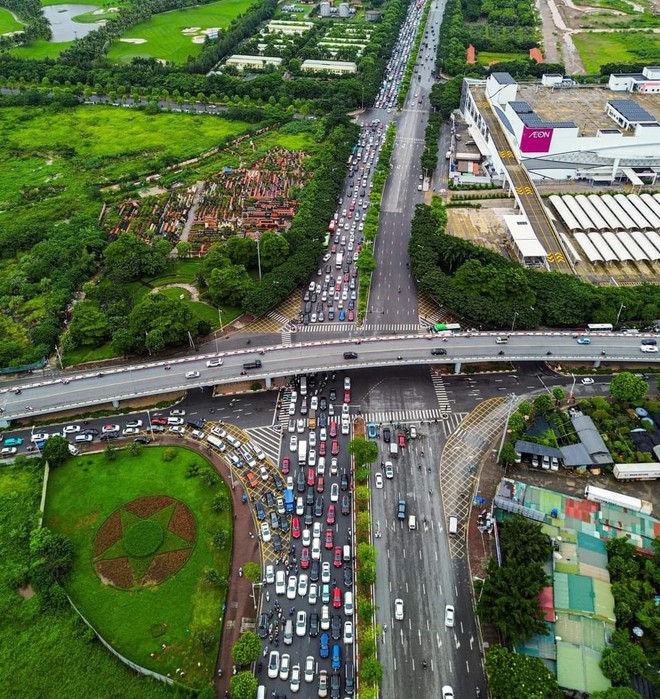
point(313, 579)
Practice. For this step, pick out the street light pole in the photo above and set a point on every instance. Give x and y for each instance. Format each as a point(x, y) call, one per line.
point(259, 255)
point(618, 315)
point(513, 324)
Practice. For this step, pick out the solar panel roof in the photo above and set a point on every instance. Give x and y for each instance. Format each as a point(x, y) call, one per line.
point(504, 78)
point(631, 111)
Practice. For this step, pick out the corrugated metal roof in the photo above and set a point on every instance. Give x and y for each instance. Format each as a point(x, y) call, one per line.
point(524, 447)
point(590, 437)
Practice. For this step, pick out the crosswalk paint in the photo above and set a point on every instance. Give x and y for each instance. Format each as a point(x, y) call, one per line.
point(351, 327)
point(405, 416)
point(268, 439)
point(441, 393)
point(274, 315)
point(286, 338)
point(452, 422)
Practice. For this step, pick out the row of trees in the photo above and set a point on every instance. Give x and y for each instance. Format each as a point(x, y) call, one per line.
point(478, 284)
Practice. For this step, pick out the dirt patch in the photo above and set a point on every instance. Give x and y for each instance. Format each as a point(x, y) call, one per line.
point(26, 592)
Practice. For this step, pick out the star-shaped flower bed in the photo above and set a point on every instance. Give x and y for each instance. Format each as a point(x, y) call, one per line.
point(144, 542)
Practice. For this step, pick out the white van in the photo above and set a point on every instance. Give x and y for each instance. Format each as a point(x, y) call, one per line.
point(348, 603)
point(261, 692)
point(394, 450)
point(501, 340)
point(74, 451)
point(85, 438)
point(347, 553)
point(453, 525)
point(412, 522)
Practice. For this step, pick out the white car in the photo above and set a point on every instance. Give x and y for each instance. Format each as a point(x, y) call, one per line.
point(398, 609)
point(345, 409)
point(312, 439)
point(302, 585)
point(449, 616)
point(313, 596)
point(178, 411)
point(348, 632)
point(316, 530)
point(70, 429)
point(8, 451)
point(105, 429)
point(269, 577)
point(274, 664)
point(323, 435)
point(320, 466)
point(311, 459)
point(295, 679)
point(316, 549)
point(280, 582)
point(648, 348)
point(131, 423)
point(300, 506)
point(293, 443)
point(265, 532)
point(301, 623)
point(413, 432)
point(334, 466)
point(285, 666)
point(264, 472)
point(325, 572)
point(314, 403)
point(379, 480)
point(325, 617)
point(323, 683)
point(219, 432)
point(447, 692)
point(334, 492)
point(214, 362)
point(310, 667)
point(301, 426)
point(192, 374)
point(389, 470)
point(291, 587)
point(306, 537)
point(587, 381)
point(177, 429)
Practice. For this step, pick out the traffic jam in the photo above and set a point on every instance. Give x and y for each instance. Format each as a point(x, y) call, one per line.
point(307, 611)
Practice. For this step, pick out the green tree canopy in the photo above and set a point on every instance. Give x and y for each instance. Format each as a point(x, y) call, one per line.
point(56, 451)
point(515, 676)
point(273, 249)
point(51, 552)
point(543, 403)
point(628, 387)
point(623, 659)
point(243, 686)
point(247, 649)
point(616, 693)
point(129, 258)
point(252, 571)
point(363, 451)
point(242, 251)
point(89, 326)
point(229, 285)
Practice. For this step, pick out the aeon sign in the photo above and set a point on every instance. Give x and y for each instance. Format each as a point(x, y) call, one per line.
point(535, 140)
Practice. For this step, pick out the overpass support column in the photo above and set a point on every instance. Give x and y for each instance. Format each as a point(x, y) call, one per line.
point(269, 382)
point(457, 368)
point(115, 403)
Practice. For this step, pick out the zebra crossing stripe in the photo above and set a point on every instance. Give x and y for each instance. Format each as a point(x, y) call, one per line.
point(286, 338)
point(441, 393)
point(389, 416)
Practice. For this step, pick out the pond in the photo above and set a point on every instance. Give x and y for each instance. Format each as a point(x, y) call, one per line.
point(62, 24)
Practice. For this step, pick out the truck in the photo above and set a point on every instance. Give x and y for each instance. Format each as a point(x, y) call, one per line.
point(254, 364)
point(340, 260)
point(637, 472)
point(610, 497)
point(302, 453)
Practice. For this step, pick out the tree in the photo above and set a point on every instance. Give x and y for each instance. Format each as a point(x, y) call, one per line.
point(616, 693)
point(56, 451)
point(628, 388)
point(110, 452)
point(242, 251)
point(252, 571)
point(273, 249)
point(51, 552)
point(229, 285)
point(558, 394)
point(508, 454)
point(205, 639)
point(183, 248)
point(243, 685)
point(213, 578)
point(363, 451)
point(543, 404)
point(247, 649)
point(516, 424)
point(371, 671)
point(220, 502)
point(135, 448)
point(623, 659)
point(89, 326)
point(515, 676)
point(129, 258)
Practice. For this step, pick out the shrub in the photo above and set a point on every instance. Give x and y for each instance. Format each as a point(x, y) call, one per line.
point(169, 454)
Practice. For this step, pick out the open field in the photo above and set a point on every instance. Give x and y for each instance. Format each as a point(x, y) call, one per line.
point(46, 653)
point(40, 48)
point(8, 23)
point(488, 57)
point(597, 49)
point(163, 33)
point(83, 494)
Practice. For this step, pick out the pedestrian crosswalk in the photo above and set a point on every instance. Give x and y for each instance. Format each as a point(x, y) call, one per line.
point(366, 329)
point(286, 337)
point(405, 416)
point(395, 328)
point(452, 422)
point(282, 417)
point(274, 315)
point(438, 316)
point(441, 393)
point(269, 439)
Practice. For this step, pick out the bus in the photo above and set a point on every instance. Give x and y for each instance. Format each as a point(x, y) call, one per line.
point(444, 327)
point(600, 327)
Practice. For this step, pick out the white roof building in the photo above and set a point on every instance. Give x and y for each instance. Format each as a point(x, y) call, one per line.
point(337, 67)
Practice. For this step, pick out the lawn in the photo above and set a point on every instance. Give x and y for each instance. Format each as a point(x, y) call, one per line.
point(8, 23)
point(83, 494)
point(488, 57)
point(163, 32)
point(45, 653)
point(40, 48)
point(597, 49)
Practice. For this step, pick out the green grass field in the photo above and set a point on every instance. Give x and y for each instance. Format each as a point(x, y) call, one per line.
point(82, 494)
point(597, 49)
point(163, 35)
point(40, 48)
point(45, 653)
point(488, 57)
point(8, 23)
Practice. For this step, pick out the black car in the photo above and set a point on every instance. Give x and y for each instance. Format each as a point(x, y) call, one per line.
point(438, 350)
point(314, 624)
point(333, 394)
point(322, 418)
point(263, 626)
point(314, 571)
point(310, 495)
point(349, 679)
point(284, 524)
point(323, 403)
point(301, 483)
point(335, 685)
point(335, 627)
point(401, 510)
point(268, 497)
point(279, 484)
point(196, 424)
point(108, 436)
point(91, 430)
point(274, 521)
point(309, 516)
point(259, 509)
point(277, 543)
point(345, 481)
point(348, 577)
point(142, 440)
point(350, 355)
point(346, 505)
point(387, 435)
point(318, 506)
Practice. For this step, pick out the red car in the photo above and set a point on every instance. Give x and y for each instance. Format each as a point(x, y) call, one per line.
point(335, 447)
point(286, 465)
point(330, 519)
point(333, 249)
point(337, 557)
point(329, 539)
point(346, 277)
point(252, 479)
point(336, 598)
point(295, 528)
point(338, 285)
point(402, 440)
point(310, 476)
point(320, 484)
point(305, 557)
point(347, 396)
point(158, 421)
point(351, 316)
point(322, 448)
point(333, 429)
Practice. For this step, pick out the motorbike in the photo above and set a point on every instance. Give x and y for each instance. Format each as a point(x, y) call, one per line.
point(501, 352)
point(167, 367)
